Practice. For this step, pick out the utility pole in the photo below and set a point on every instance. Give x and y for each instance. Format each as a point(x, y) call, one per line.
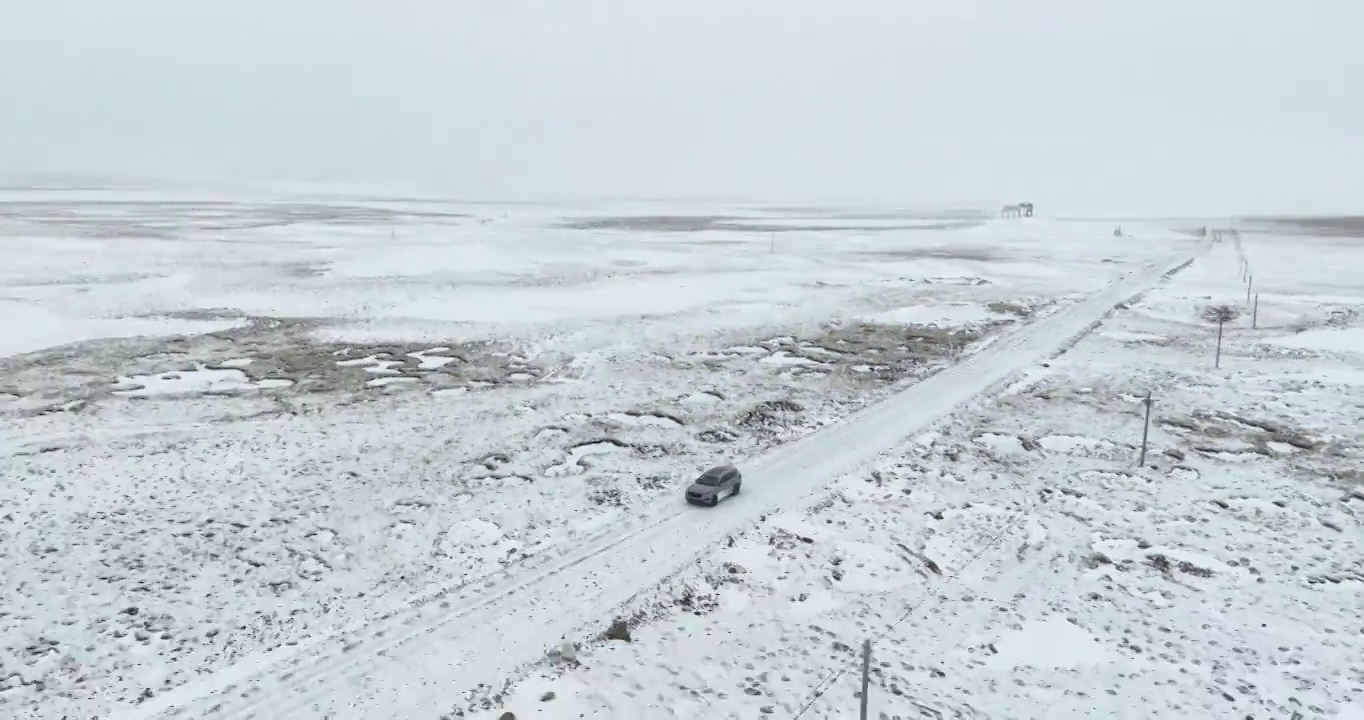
point(1146, 431)
point(866, 676)
point(1217, 360)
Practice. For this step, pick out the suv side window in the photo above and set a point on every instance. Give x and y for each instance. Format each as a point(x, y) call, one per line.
point(730, 475)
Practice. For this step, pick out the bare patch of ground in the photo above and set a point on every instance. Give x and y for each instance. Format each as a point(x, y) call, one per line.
point(1022, 310)
point(843, 364)
point(1342, 226)
point(974, 254)
point(279, 354)
point(734, 223)
point(853, 213)
point(861, 351)
point(167, 218)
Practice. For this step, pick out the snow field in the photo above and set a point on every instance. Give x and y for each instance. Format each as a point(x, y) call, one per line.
point(1015, 562)
point(217, 514)
point(399, 666)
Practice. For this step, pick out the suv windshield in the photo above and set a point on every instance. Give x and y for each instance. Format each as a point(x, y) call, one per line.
point(709, 480)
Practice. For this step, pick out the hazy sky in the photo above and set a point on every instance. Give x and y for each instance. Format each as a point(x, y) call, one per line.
point(1087, 105)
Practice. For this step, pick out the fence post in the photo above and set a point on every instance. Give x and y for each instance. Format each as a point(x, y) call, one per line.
point(866, 675)
point(1250, 282)
point(1146, 431)
point(1217, 360)
point(1255, 313)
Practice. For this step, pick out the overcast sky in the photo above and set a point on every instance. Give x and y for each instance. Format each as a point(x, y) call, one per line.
point(1161, 106)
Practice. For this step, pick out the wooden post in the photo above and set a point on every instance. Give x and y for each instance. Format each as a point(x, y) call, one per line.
point(1250, 282)
point(866, 676)
point(1146, 431)
point(1255, 313)
point(1217, 360)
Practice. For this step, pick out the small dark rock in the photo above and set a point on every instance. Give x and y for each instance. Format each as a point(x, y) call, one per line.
point(1096, 559)
point(1192, 569)
point(619, 630)
point(547, 696)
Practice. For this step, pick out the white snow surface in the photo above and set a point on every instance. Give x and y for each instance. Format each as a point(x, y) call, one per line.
point(1349, 341)
point(412, 525)
point(30, 329)
point(944, 315)
point(394, 667)
point(407, 271)
point(1064, 583)
point(192, 382)
point(1070, 586)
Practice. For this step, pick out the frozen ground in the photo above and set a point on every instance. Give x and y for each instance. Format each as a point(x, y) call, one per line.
point(1016, 562)
point(228, 428)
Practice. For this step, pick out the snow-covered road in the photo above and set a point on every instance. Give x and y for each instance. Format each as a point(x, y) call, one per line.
point(417, 663)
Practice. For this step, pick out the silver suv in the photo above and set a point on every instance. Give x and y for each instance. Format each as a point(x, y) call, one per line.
point(715, 484)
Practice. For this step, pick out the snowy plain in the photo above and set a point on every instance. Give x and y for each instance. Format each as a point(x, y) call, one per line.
point(291, 419)
point(1017, 562)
